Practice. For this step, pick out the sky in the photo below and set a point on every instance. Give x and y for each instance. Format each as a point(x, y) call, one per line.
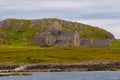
point(101, 13)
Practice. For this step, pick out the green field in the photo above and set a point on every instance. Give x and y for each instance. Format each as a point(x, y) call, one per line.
point(32, 54)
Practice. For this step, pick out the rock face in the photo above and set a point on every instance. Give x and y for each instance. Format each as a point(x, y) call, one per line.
point(19, 31)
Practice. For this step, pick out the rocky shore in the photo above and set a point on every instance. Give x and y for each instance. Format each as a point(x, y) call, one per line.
point(83, 66)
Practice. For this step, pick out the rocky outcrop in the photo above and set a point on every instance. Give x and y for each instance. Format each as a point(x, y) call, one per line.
point(87, 66)
point(77, 67)
point(8, 66)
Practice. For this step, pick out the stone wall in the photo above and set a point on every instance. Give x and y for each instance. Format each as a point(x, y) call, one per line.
point(101, 43)
point(95, 43)
point(85, 42)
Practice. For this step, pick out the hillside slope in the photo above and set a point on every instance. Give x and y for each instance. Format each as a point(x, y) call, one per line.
point(19, 31)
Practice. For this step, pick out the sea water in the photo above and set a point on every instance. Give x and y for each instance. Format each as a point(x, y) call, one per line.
point(95, 75)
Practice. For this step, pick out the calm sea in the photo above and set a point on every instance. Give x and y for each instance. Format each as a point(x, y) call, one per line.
point(110, 75)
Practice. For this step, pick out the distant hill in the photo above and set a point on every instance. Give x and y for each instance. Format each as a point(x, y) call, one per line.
point(22, 32)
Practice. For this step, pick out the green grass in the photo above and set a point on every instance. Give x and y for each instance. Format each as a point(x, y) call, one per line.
point(115, 44)
point(32, 54)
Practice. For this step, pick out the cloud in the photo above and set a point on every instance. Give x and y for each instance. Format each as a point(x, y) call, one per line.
point(80, 6)
point(85, 9)
point(42, 5)
point(60, 4)
point(103, 13)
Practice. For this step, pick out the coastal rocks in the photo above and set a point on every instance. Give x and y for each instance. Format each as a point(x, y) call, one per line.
point(8, 66)
point(104, 66)
point(15, 74)
point(83, 66)
point(21, 68)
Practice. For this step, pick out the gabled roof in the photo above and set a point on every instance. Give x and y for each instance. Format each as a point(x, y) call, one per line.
point(61, 41)
point(68, 33)
point(58, 33)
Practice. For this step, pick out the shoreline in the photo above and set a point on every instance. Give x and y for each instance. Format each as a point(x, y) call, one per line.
point(83, 66)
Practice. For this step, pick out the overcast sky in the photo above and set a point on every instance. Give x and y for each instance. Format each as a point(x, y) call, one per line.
point(101, 13)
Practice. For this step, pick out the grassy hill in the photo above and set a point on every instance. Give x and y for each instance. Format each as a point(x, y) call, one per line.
point(22, 32)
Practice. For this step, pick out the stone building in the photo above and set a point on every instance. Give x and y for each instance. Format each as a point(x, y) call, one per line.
point(57, 38)
point(85, 42)
point(44, 39)
point(69, 38)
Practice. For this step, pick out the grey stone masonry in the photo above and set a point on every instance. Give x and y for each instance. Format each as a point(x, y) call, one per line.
point(57, 38)
point(95, 43)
